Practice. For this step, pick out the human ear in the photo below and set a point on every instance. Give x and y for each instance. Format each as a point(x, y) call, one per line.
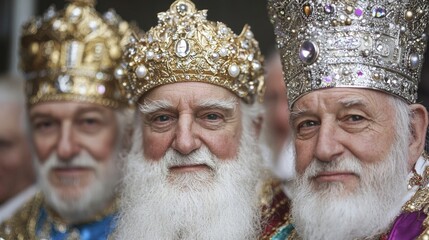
point(419, 124)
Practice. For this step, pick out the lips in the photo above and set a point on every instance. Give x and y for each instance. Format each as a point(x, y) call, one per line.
point(189, 168)
point(70, 176)
point(335, 176)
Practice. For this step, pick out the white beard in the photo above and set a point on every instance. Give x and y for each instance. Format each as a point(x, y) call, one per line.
point(76, 208)
point(219, 204)
point(330, 212)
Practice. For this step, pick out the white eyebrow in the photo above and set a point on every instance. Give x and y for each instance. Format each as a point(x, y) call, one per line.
point(227, 104)
point(150, 106)
point(351, 102)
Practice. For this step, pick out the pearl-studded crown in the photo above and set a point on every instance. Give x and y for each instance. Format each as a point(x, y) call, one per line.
point(351, 43)
point(71, 55)
point(186, 47)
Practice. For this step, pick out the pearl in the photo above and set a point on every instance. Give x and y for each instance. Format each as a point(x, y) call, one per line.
point(249, 34)
point(119, 73)
point(256, 65)
point(414, 61)
point(223, 52)
point(348, 21)
point(365, 53)
point(141, 71)
point(409, 15)
point(233, 70)
point(349, 9)
point(150, 55)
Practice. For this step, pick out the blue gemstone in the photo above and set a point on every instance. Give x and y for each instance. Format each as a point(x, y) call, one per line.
point(378, 12)
point(308, 52)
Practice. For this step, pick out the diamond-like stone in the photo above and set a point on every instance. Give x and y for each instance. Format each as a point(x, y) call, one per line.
point(182, 48)
point(49, 14)
point(64, 82)
point(309, 52)
point(93, 25)
point(378, 12)
point(182, 9)
point(75, 14)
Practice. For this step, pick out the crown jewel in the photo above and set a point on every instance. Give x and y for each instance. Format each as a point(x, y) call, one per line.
point(72, 54)
point(185, 46)
point(351, 43)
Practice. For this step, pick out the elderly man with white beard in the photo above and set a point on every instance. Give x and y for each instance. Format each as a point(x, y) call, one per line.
point(352, 70)
point(79, 120)
point(194, 171)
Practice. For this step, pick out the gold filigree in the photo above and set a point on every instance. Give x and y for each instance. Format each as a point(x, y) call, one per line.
point(185, 46)
point(72, 54)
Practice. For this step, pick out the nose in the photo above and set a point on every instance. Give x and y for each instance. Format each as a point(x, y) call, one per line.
point(67, 147)
point(328, 145)
point(186, 139)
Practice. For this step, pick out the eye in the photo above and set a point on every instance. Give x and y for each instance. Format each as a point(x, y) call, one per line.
point(90, 121)
point(90, 124)
point(306, 129)
point(307, 124)
point(162, 118)
point(213, 117)
point(355, 118)
point(44, 126)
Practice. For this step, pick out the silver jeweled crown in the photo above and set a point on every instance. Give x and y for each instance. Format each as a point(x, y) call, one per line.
point(351, 43)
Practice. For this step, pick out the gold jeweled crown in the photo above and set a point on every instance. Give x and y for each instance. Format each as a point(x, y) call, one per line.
point(351, 43)
point(71, 55)
point(186, 47)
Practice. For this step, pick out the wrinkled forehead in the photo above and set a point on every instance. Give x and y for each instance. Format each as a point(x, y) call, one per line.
point(66, 109)
point(346, 97)
point(189, 93)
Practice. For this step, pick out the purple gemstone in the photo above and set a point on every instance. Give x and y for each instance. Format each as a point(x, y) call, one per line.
point(329, 8)
point(101, 89)
point(378, 12)
point(327, 79)
point(360, 73)
point(308, 52)
point(358, 12)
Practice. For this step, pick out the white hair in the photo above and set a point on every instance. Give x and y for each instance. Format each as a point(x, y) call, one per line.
point(227, 208)
point(102, 191)
point(372, 207)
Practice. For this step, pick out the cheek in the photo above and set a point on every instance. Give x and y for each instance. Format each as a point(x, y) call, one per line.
point(155, 145)
point(44, 146)
point(303, 155)
point(223, 145)
point(102, 146)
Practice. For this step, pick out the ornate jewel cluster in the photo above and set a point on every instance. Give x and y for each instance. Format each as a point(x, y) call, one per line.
point(186, 47)
point(351, 43)
point(71, 55)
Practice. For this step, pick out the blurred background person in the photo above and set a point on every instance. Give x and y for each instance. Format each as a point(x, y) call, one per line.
point(16, 169)
point(79, 122)
point(275, 141)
